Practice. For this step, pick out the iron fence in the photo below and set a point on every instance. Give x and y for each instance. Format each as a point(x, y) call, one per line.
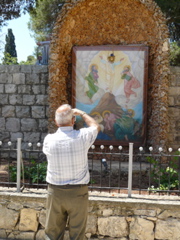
point(112, 169)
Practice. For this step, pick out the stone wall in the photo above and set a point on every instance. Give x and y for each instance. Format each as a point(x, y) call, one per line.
point(117, 217)
point(23, 103)
point(113, 22)
point(174, 108)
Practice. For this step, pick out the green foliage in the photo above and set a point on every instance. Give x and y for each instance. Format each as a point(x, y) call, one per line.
point(10, 9)
point(9, 60)
point(163, 178)
point(31, 60)
point(43, 18)
point(10, 54)
point(171, 9)
point(174, 54)
point(10, 46)
point(34, 172)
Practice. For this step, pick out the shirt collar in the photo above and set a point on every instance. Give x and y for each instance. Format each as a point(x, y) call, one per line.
point(64, 129)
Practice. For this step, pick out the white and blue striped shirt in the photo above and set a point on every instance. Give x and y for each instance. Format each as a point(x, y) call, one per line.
point(66, 152)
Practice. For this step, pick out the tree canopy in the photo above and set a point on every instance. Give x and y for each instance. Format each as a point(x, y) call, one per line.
point(10, 9)
point(43, 17)
point(10, 54)
point(171, 9)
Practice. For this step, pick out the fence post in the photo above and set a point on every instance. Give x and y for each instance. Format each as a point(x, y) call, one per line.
point(18, 177)
point(130, 169)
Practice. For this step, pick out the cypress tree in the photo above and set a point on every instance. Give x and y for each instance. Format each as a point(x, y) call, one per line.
point(10, 46)
point(10, 54)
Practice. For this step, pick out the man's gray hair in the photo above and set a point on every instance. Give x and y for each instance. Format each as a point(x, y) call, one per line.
point(64, 115)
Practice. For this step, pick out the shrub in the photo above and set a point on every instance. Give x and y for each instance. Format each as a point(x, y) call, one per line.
point(34, 172)
point(164, 178)
point(174, 54)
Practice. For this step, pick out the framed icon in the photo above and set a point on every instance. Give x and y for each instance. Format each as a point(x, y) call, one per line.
point(110, 84)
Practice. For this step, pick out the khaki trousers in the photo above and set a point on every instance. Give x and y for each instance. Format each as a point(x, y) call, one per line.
point(64, 203)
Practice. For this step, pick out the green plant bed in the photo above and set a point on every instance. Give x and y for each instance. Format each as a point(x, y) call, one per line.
point(33, 172)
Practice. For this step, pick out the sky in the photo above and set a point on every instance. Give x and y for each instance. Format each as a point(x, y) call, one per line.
point(24, 42)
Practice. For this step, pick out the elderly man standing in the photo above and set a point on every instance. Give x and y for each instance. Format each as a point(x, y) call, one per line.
point(68, 174)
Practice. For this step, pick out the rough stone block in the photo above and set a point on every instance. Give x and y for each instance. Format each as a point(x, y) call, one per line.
point(32, 78)
point(40, 69)
point(31, 137)
point(91, 224)
point(141, 229)
point(26, 68)
point(38, 112)
point(107, 212)
point(3, 234)
point(15, 99)
point(145, 212)
point(168, 213)
point(171, 101)
point(173, 91)
point(19, 78)
point(22, 235)
point(28, 124)
point(44, 78)
point(9, 219)
point(39, 89)
point(3, 77)
point(4, 99)
point(3, 68)
point(1, 88)
point(14, 68)
point(2, 124)
point(26, 89)
point(42, 217)
point(43, 125)
point(15, 136)
point(10, 88)
point(13, 125)
point(167, 230)
point(28, 99)
point(8, 111)
point(40, 234)
point(42, 100)
point(113, 226)
point(28, 220)
point(23, 111)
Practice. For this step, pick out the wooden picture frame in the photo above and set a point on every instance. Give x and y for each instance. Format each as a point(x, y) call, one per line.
point(110, 83)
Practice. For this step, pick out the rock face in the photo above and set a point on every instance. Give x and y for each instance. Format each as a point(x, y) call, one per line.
point(89, 22)
point(108, 102)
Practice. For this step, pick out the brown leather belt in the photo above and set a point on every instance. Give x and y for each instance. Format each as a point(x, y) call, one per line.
point(68, 186)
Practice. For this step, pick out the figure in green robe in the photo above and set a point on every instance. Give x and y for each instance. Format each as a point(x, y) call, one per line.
point(92, 80)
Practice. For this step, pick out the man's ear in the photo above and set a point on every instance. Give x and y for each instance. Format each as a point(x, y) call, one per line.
point(56, 123)
point(73, 120)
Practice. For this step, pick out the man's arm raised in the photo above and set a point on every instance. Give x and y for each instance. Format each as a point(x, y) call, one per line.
point(88, 119)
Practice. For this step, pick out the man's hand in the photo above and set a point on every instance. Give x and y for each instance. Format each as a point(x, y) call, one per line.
point(88, 119)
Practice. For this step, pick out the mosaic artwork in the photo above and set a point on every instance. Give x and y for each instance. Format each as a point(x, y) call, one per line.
point(109, 83)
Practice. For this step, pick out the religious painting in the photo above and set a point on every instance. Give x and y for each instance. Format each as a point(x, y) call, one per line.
point(109, 83)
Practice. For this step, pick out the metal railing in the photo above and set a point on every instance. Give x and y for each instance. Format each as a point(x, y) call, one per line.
point(112, 169)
